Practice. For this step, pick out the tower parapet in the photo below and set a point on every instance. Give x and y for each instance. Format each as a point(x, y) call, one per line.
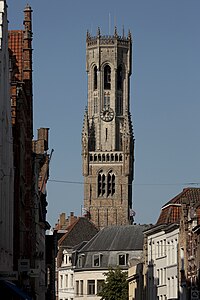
point(108, 39)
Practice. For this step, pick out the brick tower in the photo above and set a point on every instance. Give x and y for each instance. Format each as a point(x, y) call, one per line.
point(107, 135)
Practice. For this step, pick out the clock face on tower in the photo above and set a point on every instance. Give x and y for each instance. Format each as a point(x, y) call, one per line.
point(107, 114)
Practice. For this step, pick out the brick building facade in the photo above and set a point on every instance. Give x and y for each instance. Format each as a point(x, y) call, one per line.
point(31, 165)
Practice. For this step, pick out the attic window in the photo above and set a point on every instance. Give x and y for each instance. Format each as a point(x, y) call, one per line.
point(122, 259)
point(80, 261)
point(96, 260)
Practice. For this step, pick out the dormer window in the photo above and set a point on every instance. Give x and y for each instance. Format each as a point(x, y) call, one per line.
point(66, 258)
point(96, 260)
point(107, 77)
point(80, 260)
point(122, 259)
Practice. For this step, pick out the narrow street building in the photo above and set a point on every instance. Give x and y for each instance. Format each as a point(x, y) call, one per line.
point(77, 233)
point(6, 151)
point(112, 247)
point(20, 48)
point(31, 165)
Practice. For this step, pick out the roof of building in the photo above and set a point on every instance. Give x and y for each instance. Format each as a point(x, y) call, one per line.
point(81, 230)
point(76, 233)
point(15, 44)
point(170, 212)
point(117, 238)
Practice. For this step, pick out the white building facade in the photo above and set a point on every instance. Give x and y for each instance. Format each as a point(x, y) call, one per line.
point(6, 150)
point(162, 262)
point(88, 284)
point(66, 277)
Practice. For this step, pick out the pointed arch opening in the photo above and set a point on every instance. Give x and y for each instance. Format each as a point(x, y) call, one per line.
point(119, 78)
point(95, 78)
point(107, 77)
point(101, 184)
point(110, 184)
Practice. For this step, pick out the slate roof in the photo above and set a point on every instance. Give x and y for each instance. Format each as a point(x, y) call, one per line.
point(170, 212)
point(81, 230)
point(117, 238)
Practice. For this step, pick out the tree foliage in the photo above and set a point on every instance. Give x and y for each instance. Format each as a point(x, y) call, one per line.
point(115, 286)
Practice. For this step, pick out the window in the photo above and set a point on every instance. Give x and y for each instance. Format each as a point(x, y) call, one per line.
point(119, 104)
point(81, 287)
point(99, 285)
point(106, 103)
point(161, 248)
point(61, 281)
point(91, 287)
point(95, 77)
point(119, 78)
point(122, 259)
point(96, 260)
point(182, 267)
point(66, 280)
point(158, 248)
point(77, 287)
point(106, 184)
point(158, 276)
point(95, 104)
point(111, 184)
point(80, 261)
point(101, 184)
point(71, 283)
point(107, 77)
point(164, 276)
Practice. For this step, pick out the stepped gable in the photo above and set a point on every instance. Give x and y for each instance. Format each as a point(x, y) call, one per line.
point(170, 212)
point(117, 238)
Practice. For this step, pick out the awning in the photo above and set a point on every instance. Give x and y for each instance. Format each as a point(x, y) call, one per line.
point(15, 289)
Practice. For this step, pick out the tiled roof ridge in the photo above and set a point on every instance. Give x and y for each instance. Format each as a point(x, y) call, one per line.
point(180, 195)
point(170, 211)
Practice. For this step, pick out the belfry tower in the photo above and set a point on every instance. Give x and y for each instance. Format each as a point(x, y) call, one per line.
point(107, 135)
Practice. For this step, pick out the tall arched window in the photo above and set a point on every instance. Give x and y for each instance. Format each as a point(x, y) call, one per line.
point(119, 78)
point(101, 184)
point(95, 77)
point(107, 77)
point(110, 184)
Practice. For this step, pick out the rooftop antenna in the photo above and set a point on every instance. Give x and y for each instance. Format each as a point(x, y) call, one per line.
point(115, 22)
point(109, 24)
point(123, 31)
point(91, 29)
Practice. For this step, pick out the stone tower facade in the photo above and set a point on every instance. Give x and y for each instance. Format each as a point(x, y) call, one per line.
point(107, 135)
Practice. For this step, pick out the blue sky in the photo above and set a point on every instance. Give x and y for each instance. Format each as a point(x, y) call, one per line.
point(165, 93)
